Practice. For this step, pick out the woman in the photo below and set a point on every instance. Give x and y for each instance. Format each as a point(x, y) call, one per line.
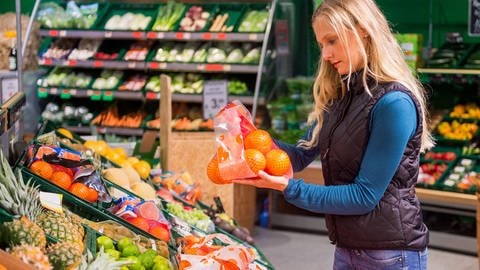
point(369, 127)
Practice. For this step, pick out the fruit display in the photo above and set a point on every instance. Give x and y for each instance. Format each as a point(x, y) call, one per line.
point(138, 51)
point(430, 173)
point(127, 251)
point(134, 82)
point(456, 130)
point(194, 217)
point(466, 111)
point(463, 176)
point(438, 154)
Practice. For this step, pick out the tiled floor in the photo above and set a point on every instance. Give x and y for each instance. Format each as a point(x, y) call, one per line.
point(289, 250)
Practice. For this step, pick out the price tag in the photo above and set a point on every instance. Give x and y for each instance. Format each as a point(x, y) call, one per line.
point(47, 61)
point(51, 201)
point(54, 91)
point(108, 34)
point(151, 35)
point(153, 65)
point(207, 36)
point(65, 94)
point(214, 97)
point(63, 33)
point(97, 63)
point(42, 93)
point(96, 95)
point(152, 95)
point(252, 36)
point(107, 95)
point(131, 65)
point(137, 34)
point(53, 33)
point(71, 63)
point(221, 36)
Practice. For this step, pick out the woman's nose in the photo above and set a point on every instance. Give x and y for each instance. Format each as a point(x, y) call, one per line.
point(326, 54)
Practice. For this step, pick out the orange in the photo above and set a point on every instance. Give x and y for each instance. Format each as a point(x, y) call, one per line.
point(139, 222)
point(278, 162)
point(80, 190)
point(160, 233)
point(255, 159)
point(260, 140)
point(42, 168)
point(213, 172)
point(61, 179)
point(92, 195)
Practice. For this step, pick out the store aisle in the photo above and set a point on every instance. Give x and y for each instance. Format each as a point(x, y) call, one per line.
point(289, 250)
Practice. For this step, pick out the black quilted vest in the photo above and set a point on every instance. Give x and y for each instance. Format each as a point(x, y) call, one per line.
point(396, 222)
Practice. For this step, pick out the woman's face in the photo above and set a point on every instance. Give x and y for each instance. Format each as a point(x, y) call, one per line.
point(333, 49)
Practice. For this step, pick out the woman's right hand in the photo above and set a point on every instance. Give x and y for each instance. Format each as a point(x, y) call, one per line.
point(265, 180)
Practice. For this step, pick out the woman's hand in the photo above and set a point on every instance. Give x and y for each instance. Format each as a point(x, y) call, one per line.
point(265, 181)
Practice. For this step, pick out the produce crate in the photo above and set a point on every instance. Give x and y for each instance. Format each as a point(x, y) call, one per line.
point(212, 9)
point(249, 9)
point(102, 8)
point(450, 55)
point(98, 211)
point(7, 217)
point(149, 10)
point(462, 176)
point(427, 164)
point(454, 142)
point(91, 236)
point(234, 12)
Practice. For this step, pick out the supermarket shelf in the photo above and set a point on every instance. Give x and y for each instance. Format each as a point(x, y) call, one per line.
point(94, 94)
point(177, 36)
point(192, 67)
point(140, 65)
point(106, 130)
point(449, 71)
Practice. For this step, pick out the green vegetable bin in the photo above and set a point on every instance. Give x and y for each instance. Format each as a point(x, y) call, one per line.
point(149, 10)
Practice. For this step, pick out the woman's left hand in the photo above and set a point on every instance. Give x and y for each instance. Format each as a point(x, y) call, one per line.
point(265, 180)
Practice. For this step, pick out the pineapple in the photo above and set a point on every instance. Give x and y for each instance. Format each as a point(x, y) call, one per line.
point(16, 196)
point(61, 227)
point(31, 255)
point(23, 231)
point(102, 261)
point(64, 255)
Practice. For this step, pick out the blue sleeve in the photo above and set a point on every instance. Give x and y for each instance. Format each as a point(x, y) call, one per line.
point(393, 122)
point(300, 157)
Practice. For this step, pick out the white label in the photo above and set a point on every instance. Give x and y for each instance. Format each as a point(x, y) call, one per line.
point(51, 201)
point(214, 97)
point(9, 88)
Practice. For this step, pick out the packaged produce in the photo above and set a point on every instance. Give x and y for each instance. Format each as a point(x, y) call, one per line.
point(254, 21)
point(242, 149)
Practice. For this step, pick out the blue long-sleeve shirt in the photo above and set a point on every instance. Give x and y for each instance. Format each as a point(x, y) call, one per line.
point(392, 124)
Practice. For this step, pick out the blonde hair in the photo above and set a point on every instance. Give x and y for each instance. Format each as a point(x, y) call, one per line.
point(382, 60)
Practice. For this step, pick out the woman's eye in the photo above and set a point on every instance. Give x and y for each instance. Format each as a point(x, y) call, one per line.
point(331, 41)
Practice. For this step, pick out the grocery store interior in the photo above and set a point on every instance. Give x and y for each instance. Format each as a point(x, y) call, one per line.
point(112, 129)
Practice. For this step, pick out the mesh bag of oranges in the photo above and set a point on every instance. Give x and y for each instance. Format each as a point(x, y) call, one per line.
point(243, 150)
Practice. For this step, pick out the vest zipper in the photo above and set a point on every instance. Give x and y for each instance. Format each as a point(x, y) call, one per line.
point(325, 155)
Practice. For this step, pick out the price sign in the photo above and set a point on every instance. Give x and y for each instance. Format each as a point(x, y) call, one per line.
point(214, 97)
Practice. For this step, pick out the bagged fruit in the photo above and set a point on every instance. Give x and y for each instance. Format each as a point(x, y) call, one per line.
point(242, 149)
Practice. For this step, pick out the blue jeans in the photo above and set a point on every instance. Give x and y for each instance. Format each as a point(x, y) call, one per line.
point(362, 259)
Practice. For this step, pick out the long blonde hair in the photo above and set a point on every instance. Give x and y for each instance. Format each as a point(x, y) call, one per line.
point(382, 60)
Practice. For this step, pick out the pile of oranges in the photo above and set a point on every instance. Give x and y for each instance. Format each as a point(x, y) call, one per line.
point(63, 177)
point(259, 154)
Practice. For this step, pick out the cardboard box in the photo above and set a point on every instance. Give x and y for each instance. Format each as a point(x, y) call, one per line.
point(412, 45)
point(8, 86)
